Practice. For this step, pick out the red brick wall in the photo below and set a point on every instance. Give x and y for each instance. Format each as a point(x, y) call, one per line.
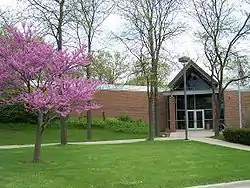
point(131, 103)
point(232, 108)
point(246, 108)
point(231, 115)
point(119, 103)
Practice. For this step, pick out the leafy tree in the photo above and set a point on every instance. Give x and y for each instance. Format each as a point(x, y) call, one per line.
point(220, 34)
point(139, 77)
point(150, 23)
point(87, 17)
point(42, 76)
point(51, 18)
point(108, 67)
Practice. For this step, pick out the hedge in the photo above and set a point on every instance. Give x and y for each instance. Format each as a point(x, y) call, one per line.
point(114, 124)
point(123, 124)
point(15, 113)
point(236, 135)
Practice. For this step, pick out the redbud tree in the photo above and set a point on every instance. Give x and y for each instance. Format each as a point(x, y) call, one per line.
point(43, 78)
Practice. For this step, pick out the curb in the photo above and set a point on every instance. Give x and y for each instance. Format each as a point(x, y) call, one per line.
point(235, 184)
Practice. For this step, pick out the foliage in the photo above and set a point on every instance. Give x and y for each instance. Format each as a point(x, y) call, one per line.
point(134, 127)
point(78, 123)
point(141, 73)
point(220, 35)
point(42, 76)
point(15, 113)
point(121, 124)
point(125, 118)
point(149, 24)
point(109, 67)
point(236, 135)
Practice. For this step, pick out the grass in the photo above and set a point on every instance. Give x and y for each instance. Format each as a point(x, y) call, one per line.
point(27, 135)
point(171, 164)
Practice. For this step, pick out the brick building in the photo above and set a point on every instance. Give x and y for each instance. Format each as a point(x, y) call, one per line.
point(132, 101)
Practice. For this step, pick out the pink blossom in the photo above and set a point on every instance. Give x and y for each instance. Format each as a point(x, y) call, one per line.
point(43, 75)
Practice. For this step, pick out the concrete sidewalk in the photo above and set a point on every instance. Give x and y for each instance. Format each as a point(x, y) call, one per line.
point(199, 136)
point(90, 143)
point(222, 143)
point(236, 184)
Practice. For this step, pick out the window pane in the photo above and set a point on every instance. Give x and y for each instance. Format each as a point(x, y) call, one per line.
point(180, 102)
point(190, 101)
point(180, 115)
point(180, 124)
point(208, 114)
point(203, 101)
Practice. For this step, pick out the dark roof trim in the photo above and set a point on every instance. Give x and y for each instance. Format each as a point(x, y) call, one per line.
point(179, 76)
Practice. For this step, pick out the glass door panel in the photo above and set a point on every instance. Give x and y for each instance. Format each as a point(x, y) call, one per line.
point(191, 120)
point(199, 119)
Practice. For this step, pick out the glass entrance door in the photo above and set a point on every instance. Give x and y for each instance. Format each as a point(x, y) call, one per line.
point(196, 119)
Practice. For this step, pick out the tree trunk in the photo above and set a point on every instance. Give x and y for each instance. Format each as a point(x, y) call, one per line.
point(150, 119)
point(63, 130)
point(150, 113)
point(37, 150)
point(156, 112)
point(216, 122)
point(89, 114)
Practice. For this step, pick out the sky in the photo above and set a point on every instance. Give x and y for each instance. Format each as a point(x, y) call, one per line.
point(183, 45)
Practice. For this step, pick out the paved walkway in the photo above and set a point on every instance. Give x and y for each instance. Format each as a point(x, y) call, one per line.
point(90, 143)
point(192, 134)
point(236, 184)
point(222, 143)
point(199, 136)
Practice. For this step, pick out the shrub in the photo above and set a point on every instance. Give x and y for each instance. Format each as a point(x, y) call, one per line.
point(241, 136)
point(15, 113)
point(17, 126)
point(113, 124)
point(125, 118)
point(79, 123)
point(135, 127)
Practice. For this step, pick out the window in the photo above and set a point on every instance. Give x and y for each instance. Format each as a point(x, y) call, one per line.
point(180, 102)
point(204, 101)
point(180, 115)
point(208, 114)
point(190, 102)
point(180, 124)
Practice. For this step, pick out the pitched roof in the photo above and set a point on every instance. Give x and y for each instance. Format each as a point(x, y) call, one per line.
point(179, 77)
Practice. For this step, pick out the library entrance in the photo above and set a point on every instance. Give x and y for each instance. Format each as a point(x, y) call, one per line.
point(199, 100)
point(196, 119)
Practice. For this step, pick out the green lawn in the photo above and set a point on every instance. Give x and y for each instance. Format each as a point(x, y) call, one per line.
point(27, 135)
point(168, 164)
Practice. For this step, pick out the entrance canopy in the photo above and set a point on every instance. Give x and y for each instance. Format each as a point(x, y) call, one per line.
point(198, 81)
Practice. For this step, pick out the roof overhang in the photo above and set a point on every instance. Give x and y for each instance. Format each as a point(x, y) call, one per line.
point(179, 77)
point(189, 92)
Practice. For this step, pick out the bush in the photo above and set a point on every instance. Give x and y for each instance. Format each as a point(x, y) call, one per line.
point(17, 126)
point(113, 124)
point(15, 113)
point(79, 123)
point(135, 127)
point(125, 118)
point(241, 136)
